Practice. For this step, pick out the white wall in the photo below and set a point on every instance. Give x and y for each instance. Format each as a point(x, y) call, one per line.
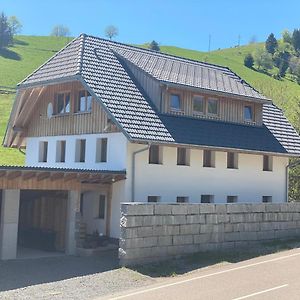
point(116, 151)
point(168, 180)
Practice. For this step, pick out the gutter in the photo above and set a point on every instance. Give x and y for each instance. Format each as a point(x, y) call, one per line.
point(289, 166)
point(134, 154)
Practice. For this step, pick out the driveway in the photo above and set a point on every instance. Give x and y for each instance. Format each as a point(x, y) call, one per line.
point(66, 277)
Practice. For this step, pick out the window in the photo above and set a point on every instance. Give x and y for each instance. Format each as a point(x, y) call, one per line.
point(101, 211)
point(266, 199)
point(60, 151)
point(248, 113)
point(198, 104)
point(62, 103)
point(183, 156)
point(155, 154)
point(232, 199)
point(207, 198)
point(81, 204)
point(84, 102)
point(80, 151)
point(153, 199)
point(101, 150)
point(212, 106)
point(232, 160)
point(267, 163)
point(43, 151)
point(175, 102)
point(182, 199)
point(208, 158)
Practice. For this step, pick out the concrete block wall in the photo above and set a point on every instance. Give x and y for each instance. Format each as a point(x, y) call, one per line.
point(152, 232)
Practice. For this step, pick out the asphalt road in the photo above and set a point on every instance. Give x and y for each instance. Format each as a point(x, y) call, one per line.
point(275, 276)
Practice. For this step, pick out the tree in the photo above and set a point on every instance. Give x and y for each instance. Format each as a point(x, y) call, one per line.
point(60, 31)
point(249, 61)
point(294, 65)
point(111, 31)
point(296, 39)
point(287, 37)
point(15, 25)
point(6, 36)
point(154, 46)
point(271, 44)
point(263, 59)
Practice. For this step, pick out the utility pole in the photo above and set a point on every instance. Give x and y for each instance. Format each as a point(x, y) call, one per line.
point(209, 41)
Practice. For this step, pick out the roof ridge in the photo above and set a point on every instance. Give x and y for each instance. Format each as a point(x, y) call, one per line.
point(81, 50)
point(51, 58)
point(161, 53)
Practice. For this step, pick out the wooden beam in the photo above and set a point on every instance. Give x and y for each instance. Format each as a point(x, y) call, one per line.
point(57, 176)
point(43, 176)
point(83, 177)
point(2, 173)
point(70, 176)
point(29, 175)
point(13, 174)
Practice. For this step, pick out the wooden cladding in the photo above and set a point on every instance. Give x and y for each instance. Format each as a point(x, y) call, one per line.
point(228, 110)
point(73, 122)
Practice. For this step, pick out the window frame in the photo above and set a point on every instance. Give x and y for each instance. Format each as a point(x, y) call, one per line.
point(212, 162)
point(186, 156)
point(86, 102)
point(267, 165)
point(211, 198)
point(64, 112)
point(151, 159)
point(43, 151)
point(100, 150)
point(153, 199)
point(61, 151)
point(180, 102)
point(234, 197)
point(207, 106)
point(196, 112)
point(182, 199)
point(235, 164)
point(79, 153)
point(102, 200)
point(267, 198)
point(252, 113)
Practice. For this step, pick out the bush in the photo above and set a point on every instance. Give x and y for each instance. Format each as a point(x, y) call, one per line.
point(263, 59)
point(249, 61)
point(154, 46)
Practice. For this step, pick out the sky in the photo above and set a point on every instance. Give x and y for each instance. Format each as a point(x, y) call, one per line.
point(185, 23)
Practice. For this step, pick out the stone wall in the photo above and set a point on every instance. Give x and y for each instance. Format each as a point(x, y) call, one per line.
point(151, 232)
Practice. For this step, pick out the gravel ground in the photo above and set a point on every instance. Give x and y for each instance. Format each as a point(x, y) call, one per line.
point(66, 278)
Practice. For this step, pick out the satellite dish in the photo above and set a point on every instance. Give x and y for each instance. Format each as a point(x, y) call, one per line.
point(50, 110)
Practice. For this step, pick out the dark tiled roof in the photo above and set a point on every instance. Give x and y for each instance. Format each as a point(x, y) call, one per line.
point(99, 64)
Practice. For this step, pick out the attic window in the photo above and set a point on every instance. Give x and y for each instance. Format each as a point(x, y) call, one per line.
point(62, 105)
point(175, 102)
point(198, 104)
point(84, 102)
point(248, 113)
point(212, 106)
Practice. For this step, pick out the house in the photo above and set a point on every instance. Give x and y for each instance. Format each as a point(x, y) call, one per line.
point(103, 123)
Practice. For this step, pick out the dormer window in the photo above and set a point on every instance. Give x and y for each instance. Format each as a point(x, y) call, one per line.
point(212, 106)
point(198, 104)
point(248, 113)
point(175, 102)
point(62, 103)
point(84, 102)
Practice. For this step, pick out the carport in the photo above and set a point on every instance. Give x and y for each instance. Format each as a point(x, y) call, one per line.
point(39, 204)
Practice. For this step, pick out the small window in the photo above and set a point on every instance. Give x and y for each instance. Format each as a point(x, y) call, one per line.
point(153, 199)
point(101, 150)
point(62, 103)
point(183, 156)
point(212, 106)
point(198, 104)
point(60, 151)
point(43, 151)
point(207, 198)
point(155, 155)
point(266, 199)
point(232, 199)
point(248, 113)
point(208, 158)
point(267, 163)
point(175, 102)
point(84, 102)
point(80, 151)
point(101, 211)
point(182, 199)
point(81, 204)
point(232, 160)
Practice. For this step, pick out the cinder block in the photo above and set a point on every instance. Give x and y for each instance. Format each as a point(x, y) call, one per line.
point(189, 229)
point(273, 207)
point(249, 236)
point(202, 238)
point(139, 209)
point(211, 219)
point(237, 218)
point(195, 219)
point(160, 251)
point(174, 220)
point(238, 227)
point(182, 239)
point(206, 228)
point(193, 209)
point(221, 208)
point(165, 241)
point(265, 235)
point(162, 209)
point(129, 233)
point(152, 221)
point(253, 217)
point(145, 231)
point(238, 208)
point(206, 208)
point(223, 218)
point(251, 227)
point(179, 209)
point(166, 230)
point(257, 208)
point(228, 227)
point(232, 236)
point(140, 242)
point(180, 219)
point(208, 247)
point(270, 217)
point(266, 226)
point(131, 221)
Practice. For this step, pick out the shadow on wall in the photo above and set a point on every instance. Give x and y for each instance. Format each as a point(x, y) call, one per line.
point(16, 274)
point(9, 54)
point(204, 259)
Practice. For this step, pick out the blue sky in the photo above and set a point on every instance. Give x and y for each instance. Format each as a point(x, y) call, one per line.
point(185, 23)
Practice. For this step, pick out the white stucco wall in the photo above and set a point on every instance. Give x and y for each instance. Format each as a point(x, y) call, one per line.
point(116, 151)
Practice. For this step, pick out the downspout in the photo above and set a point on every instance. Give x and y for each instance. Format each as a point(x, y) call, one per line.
point(289, 166)
point(133, 170)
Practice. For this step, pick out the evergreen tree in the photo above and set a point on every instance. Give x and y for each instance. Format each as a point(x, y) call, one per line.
point(6, 36)
point(296, 39)
point(271, 44)
point(154, 46)
point(249, 61)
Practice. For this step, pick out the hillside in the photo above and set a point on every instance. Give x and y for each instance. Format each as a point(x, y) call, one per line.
point(29, 52)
